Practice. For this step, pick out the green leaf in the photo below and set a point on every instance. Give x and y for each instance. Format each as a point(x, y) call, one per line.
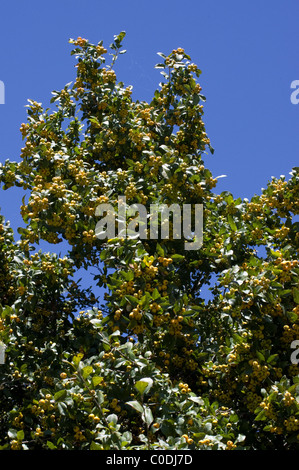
point(77, 359)
point(197, 400)
point(147, 416)
point(260, 356)
point(160, 66)
point(12, 433)
point(94, 120)
point(126, 438)
point(208, 427)
point(195, 99)
point(237, 338)
point(115, 333)
point(59, 396)
point(160, 250)
point(156, 294)
point(272, 358)
point(86, 371)
point(20, 435)
point(100, 397)
point(119, 362)
point(120, 36)
point(95, 446)
point(276, 254)
point(144, 385)
point(261, 416)
point(96, 323)
point(232, 223)
point(96, 380)
point(112, 418)
point(61, 408)
point(136, 405)
point(128, 276)
point(168, 428)
point(127, 346)
point(145, 300)
point(296, 295)
point(177, 257)
point(233, 418)
point(131, 299)
point(51, 445)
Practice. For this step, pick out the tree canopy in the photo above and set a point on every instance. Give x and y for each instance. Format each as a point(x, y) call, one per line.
point(155, 364)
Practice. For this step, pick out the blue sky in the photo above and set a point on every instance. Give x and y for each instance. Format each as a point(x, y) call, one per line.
point(247, 51)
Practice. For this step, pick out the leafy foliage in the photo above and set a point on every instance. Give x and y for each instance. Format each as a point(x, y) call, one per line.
point(156, 366)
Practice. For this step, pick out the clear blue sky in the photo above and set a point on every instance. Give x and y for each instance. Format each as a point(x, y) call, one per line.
point(247, 51)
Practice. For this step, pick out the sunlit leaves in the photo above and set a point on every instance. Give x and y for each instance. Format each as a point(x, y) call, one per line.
point(159, 364)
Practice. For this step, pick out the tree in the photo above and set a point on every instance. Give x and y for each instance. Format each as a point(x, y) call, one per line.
point(157, 366)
